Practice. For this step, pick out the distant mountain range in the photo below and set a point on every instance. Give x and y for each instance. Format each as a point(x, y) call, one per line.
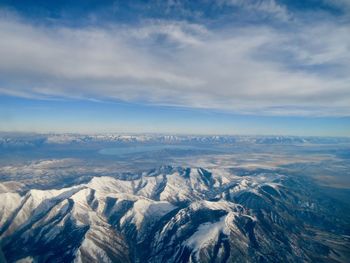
point(177, 214)
point(35, 140)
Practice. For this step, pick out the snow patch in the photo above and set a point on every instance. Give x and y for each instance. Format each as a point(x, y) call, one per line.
point(207, 234)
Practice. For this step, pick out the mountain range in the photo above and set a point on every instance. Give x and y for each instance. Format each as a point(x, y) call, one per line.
point(175, 214)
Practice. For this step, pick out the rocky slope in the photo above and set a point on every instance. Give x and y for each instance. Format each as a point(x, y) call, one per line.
point(175, 215)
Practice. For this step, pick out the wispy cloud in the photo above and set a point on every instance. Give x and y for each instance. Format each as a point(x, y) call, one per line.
point(261, 8)
point(252, 69)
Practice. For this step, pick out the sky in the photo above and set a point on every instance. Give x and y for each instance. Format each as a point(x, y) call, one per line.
point(198, 67)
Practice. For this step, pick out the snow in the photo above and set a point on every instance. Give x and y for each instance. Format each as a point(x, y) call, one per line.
point(26, 260)
point(36, 202)
point(207, 234)
point(217, 205)
point(9, 202)
point(177, 188)
point(61, 207)
point(146, 209)
point(197, 181)
point(150, 185)
point(107, 184)
point(89, 247)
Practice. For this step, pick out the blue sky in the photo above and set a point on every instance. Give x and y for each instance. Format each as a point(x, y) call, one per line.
point(207, 67)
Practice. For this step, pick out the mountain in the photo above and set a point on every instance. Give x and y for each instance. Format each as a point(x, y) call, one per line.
point(30, 141)
point(174, 214)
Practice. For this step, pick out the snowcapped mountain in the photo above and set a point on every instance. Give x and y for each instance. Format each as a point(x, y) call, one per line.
point(29, 141)
point(173, 215)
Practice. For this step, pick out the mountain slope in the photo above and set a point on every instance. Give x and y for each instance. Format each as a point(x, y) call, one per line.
point(175, 215)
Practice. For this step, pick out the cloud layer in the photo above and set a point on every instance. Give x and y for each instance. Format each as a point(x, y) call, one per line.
point(298, 69)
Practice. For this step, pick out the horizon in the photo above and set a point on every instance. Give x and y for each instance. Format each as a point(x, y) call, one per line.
point(155, 134)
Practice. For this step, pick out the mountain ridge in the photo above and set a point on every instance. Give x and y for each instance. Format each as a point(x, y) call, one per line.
point(171, 214)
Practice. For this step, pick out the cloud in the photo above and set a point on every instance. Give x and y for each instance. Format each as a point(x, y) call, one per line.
point(265, 8)
point(251, 69)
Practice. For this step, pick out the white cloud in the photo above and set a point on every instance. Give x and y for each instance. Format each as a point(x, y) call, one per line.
point(250, 69)
point(261, 7)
